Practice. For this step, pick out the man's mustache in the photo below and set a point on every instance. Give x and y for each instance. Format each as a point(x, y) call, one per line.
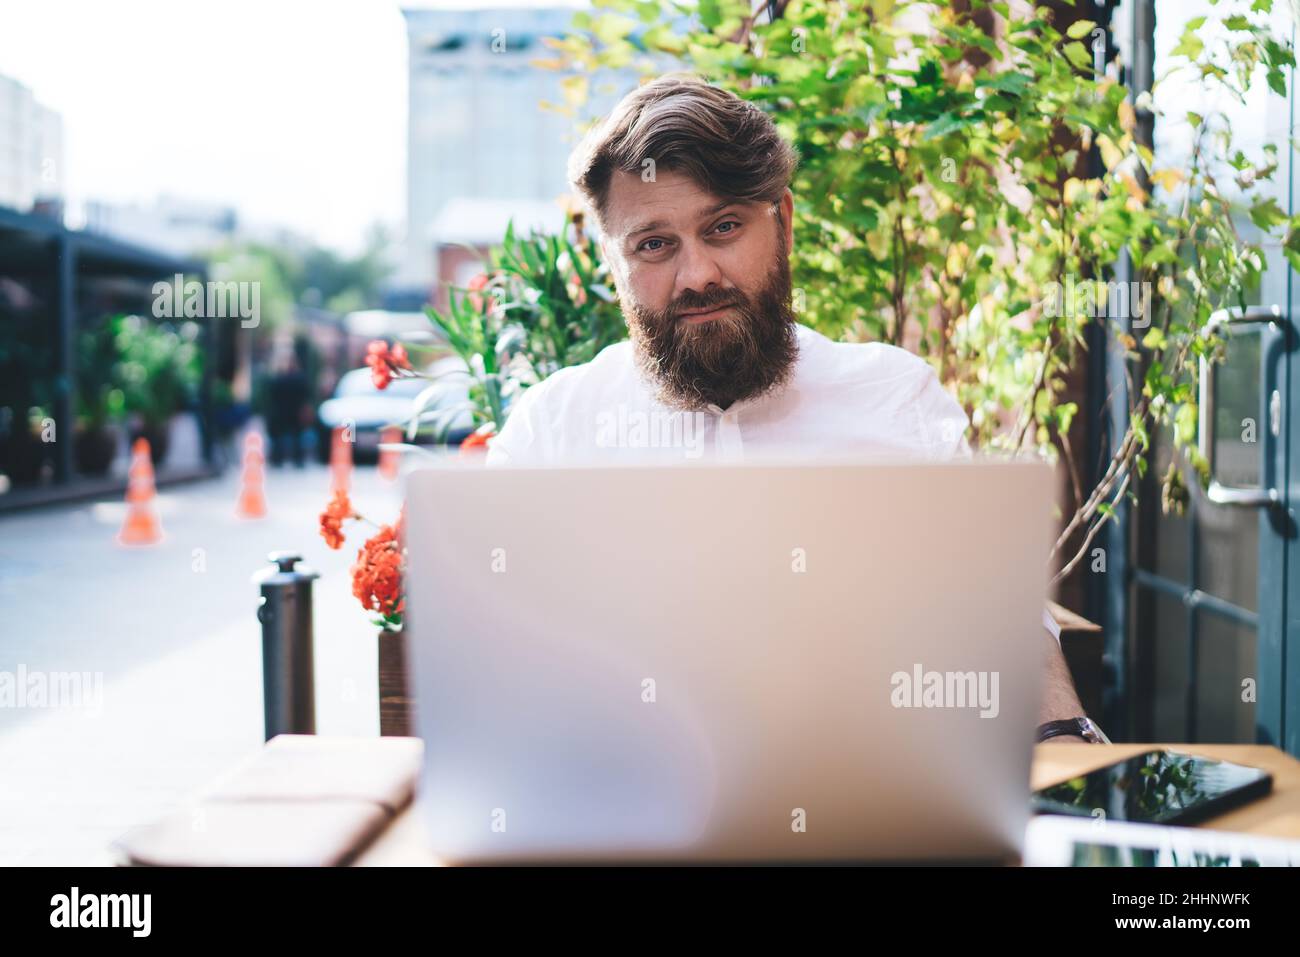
point(691, 301)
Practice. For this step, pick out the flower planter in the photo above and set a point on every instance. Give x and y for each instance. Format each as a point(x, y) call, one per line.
point(395, 703)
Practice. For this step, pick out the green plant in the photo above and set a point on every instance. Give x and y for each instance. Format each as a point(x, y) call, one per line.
point(99, 401)
point(970, 175)
point(158, 368)
point(543, 304)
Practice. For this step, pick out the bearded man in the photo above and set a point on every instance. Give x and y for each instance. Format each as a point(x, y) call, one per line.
point(690, 188)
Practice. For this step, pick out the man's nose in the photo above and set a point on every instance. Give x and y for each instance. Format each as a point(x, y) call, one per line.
point(697, 270)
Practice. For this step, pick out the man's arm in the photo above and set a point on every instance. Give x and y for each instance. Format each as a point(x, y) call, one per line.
point(1060, 700)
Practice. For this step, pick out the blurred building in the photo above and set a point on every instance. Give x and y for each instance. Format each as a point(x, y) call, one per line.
point(31, 151)
point(185, 227)
point(176, 226)
point(476, 128)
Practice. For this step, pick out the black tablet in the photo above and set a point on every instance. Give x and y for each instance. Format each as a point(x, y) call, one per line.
point(1158, 787)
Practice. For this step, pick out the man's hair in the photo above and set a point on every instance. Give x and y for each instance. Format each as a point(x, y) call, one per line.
point(727, 145)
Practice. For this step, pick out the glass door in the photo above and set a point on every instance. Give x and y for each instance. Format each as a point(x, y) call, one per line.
point(1208, 643)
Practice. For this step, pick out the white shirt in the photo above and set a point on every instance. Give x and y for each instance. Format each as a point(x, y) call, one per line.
point(842, 398)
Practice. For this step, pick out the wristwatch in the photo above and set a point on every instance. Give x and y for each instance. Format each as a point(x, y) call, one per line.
point(1083, 727)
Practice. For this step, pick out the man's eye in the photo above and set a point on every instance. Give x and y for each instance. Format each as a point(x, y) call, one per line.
point(652, 246)
point(727, 228)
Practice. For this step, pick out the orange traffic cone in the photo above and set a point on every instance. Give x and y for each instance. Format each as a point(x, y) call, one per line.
point(388, 459)
point(340, 462)
point(141, 526)
point(252, 502)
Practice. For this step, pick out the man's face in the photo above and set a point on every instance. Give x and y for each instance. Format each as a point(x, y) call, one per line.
point(705, 287)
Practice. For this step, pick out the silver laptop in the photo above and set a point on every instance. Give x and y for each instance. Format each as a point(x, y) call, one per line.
point(708, 663)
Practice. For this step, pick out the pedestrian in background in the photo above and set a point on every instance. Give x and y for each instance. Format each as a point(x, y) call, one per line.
point(287, 396)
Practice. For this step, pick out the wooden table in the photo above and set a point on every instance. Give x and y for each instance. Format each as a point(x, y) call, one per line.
point(404, 842)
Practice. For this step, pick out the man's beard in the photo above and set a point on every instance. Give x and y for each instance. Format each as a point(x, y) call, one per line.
point(746, 353)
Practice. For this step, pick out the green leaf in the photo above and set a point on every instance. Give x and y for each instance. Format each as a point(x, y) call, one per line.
point(1266, 214)
point(1010, 81)
point(1189, 44)
point(945, 124)
point(1185, 421)
point(1078, 54)
point(1292, 240)
point(610, 28)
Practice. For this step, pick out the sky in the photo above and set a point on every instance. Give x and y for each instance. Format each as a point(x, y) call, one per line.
point(292, 111)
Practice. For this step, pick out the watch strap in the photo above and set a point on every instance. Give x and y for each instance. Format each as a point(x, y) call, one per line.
point(1073, 727)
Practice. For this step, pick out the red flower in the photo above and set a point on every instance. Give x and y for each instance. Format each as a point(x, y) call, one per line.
point(331, 520)
point(384, 362)
point(475, 441)
point(377, 575)
point(476, 284)
point(576, 290)
point(381, 561)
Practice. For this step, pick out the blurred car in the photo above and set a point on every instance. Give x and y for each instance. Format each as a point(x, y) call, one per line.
point(368, 411)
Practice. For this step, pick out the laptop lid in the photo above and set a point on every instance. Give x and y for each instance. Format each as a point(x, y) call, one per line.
point(727, 662)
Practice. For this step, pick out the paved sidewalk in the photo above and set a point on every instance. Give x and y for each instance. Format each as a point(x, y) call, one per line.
point(173, 630)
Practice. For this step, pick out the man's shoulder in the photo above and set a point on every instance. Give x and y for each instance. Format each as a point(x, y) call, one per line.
point(899, 391)
point(610, 373)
